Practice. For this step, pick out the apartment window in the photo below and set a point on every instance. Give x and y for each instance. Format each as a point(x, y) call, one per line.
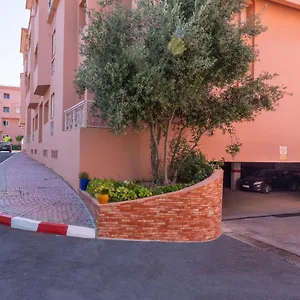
point(6, 109)
point(6, 95)
point(18, 110)
point(52, 106)
point(5, 123)
point(54, 154)
point(46, 112)
point(52, 66)
point(52, 128)
point(53, 43)
point(45, 153)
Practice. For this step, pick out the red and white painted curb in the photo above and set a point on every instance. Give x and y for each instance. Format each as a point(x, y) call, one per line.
point(47, 227)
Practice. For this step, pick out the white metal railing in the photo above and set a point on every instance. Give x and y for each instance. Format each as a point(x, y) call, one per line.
point(83, 115)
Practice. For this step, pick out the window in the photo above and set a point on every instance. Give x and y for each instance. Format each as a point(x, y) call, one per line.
point(51, 128)
point(18, 110)
point(6, 95)
point(52, 106)
point(46, 112)
point(6, 109)
point(53, 43)
point(5, 123)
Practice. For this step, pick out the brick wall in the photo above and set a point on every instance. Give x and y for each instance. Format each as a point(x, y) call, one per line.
point(192, 214)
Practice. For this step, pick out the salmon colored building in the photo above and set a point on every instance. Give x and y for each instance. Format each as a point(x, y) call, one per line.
point(10, 108)
point(62, 133)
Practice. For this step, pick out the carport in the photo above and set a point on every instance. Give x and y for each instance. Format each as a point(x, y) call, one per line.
point(240, 204)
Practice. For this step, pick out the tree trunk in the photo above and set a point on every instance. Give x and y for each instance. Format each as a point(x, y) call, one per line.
point(166, 144)
point(175, 151)
point(155, 159)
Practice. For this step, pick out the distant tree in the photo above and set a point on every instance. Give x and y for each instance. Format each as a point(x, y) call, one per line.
point(8, 139)
point(19, 139)
point(173, 67)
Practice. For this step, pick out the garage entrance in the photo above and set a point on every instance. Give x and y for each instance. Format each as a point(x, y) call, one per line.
point(244, 204)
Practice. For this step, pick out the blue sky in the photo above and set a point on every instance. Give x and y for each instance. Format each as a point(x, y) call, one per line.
point(13, 17)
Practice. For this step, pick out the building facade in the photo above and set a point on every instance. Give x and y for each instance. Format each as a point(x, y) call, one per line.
point(10, 112)
point(62, 133)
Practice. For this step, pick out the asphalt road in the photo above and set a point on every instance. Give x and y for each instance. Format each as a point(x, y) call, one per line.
point(45, 267)
point(4, 156)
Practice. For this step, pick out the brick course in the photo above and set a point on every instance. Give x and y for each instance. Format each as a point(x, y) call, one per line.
point(189, 215)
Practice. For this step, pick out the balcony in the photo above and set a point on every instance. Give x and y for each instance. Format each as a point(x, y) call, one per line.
point(32, 101)
point(41, 80)
point(84, 115)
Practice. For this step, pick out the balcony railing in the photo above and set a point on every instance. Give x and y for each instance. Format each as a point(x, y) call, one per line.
point(84, 115)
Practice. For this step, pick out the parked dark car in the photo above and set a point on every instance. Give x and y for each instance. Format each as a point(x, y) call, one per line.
point(265, 181)
point(5, 146)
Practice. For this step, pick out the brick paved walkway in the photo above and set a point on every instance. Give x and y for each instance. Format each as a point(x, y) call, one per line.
point(30, 190)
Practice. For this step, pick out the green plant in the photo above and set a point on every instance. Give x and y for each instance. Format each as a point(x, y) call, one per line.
point(217, 164)
point(142, 191)
point(123, 194)
point(169, 188)
point(8, 139)
point(84, 175)
point(16, 147)
point(19, 138)
point(195, 168)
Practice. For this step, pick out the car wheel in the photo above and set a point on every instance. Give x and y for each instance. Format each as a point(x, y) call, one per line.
point(294, 187)
point(266, 189)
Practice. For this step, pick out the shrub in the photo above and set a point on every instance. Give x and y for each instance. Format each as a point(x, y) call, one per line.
point(195, 168)
point(117, 190)
point(16, 147)
point(84, 175)
point(170, 188)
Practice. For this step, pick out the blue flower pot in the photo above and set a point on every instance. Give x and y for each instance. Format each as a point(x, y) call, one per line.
point(83, 184)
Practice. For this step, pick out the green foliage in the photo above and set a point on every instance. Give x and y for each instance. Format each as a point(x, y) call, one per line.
point(170, 188)
point(123, 193)
point(19, 138)
point(117, 190)
point(174, 65)
point(217, 164)
point(16, 147)
point(84, 175)
point(8, 139)
point(195, 168)
point(142, 192)
point(233, 149)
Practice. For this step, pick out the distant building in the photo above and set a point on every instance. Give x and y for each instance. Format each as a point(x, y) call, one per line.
point(10, 108)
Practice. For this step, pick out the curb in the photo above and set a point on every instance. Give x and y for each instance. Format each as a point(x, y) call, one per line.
point(47, 227)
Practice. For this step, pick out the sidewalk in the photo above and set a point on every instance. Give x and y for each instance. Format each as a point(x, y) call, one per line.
point(30, 190)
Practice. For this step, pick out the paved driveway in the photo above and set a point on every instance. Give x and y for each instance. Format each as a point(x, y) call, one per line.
point(46, 267)
point(239, 204)
point(273, 218)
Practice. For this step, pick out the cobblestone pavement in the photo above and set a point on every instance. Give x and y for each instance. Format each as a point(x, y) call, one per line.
point(30, 190)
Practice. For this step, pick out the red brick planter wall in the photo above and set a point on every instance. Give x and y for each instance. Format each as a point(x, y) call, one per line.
point(189, 215)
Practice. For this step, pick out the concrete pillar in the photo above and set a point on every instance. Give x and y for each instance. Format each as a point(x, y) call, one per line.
point(235, 174)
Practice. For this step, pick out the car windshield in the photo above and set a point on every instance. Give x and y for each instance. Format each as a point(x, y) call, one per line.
point(262, 173)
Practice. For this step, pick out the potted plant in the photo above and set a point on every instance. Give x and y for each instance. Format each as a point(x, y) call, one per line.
point(103, 196)
point(84, 180)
